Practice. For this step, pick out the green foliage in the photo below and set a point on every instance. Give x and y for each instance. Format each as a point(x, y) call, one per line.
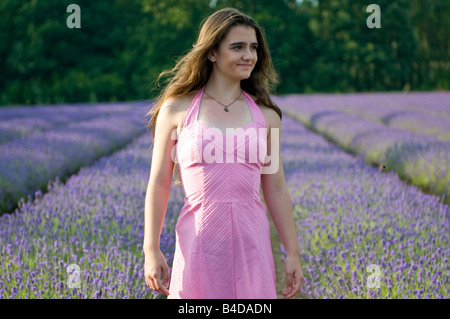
point(122, 45)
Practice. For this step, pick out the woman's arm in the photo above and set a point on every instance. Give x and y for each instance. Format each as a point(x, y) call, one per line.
point(157, 196)
point(278, 202)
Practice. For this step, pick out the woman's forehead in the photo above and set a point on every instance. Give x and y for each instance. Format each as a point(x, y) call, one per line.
point(240, 33)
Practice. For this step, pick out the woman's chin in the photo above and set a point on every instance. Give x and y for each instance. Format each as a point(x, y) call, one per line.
point(245, 76)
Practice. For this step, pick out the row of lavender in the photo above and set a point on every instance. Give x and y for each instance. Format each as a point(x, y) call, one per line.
point(425, 113)
point(350, 216)
point(84, 239)
point(28, 163)
point(418, 157)
point(16, 122)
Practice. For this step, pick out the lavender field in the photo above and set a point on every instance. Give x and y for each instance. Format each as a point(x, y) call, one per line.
point(60, 148)
point(407, 133)
point(16, 122)
point(350, 215)
point(83, 239)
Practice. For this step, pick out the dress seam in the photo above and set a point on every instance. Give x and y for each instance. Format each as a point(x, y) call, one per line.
point(232, 238)
point(232, 251)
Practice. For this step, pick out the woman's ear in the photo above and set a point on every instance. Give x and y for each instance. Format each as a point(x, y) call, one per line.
point(212, 56)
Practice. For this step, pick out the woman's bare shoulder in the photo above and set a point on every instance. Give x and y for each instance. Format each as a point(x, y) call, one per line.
point(261, 106)
point(178, 103)
point(177, 106)
point(270, 115)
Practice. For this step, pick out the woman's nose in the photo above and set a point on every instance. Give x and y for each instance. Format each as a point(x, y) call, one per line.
point(248, 55)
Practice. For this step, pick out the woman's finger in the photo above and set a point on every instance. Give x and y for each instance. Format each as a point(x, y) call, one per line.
point(289, 284)
point(298, 280)
point(153, 285)
point(289, 281)
point(160, 287)
point(294, 290)
point(157, 285)
point(166, 276)
point(149, 283)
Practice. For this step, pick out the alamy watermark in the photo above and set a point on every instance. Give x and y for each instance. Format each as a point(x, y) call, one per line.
point(373, 281)
point(374, 20)
point(223, 148)
point(74, 19)
point(73, 278)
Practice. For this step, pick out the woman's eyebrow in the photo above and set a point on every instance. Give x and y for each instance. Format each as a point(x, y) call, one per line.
point(242, 43)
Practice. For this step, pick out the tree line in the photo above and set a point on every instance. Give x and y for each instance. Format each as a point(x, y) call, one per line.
point(122, 45)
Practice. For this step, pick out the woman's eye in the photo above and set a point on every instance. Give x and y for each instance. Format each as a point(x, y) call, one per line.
point(239, 47)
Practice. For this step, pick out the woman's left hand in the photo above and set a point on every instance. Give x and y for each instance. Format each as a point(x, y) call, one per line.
point(294, 276)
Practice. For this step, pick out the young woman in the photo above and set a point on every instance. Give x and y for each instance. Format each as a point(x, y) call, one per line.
point(222, 235)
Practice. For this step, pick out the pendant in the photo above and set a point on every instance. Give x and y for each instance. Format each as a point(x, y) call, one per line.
point(226, 110)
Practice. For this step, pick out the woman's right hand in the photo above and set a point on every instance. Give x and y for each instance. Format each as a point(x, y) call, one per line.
point(155, 264)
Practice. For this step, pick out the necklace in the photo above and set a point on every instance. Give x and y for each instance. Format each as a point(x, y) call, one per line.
point(226, 106)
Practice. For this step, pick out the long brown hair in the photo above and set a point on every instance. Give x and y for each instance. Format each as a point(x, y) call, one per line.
point(192, 70)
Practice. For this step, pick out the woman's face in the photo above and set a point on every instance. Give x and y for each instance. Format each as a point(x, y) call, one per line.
point(237, 54)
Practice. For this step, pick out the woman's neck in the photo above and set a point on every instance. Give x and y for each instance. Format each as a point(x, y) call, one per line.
point(223, 90)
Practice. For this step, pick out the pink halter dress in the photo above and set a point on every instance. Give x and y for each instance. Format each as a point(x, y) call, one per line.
point(223, 248)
